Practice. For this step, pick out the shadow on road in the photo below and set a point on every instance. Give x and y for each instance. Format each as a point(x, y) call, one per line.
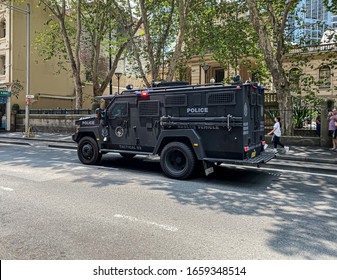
point(302, 206)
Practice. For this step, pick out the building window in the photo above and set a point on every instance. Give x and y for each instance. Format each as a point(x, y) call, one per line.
point(294, 79)
point(324, 77)
point(2, 65)
point(2, 28)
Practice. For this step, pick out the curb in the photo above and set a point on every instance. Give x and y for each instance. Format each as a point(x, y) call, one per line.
point(15, 143)
point(299, 168)
point(306, 159)
point(62, 146)
point(38, 139)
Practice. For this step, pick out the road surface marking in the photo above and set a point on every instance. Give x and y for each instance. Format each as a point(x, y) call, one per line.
point(6, 189)
point(133, 219)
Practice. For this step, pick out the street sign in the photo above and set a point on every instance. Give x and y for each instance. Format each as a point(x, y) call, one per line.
point(5, 93)
point(30, 96)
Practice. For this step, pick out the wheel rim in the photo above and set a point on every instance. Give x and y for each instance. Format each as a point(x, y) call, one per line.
point(87, 151)
point(176, 160)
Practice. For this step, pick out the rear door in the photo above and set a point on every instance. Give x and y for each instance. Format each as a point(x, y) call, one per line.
point(254, 130)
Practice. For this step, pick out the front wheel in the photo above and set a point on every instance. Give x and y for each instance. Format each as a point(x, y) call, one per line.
point(88, 152)
point(177, 160)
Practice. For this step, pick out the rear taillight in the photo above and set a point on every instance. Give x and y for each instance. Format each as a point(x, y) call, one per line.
point(246, 148)
point(263, 142)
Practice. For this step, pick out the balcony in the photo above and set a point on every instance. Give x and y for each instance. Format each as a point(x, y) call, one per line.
point(270, 100)
point(314, 49)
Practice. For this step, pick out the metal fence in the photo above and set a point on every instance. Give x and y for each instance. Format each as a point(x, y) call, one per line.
point(58, 111)
point(306, 121)
point(304, 118)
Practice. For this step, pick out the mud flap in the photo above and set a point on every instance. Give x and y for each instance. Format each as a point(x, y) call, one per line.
point(208, 167)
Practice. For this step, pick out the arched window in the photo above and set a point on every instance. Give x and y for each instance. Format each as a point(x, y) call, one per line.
point(294, 79)
point(324, 77)
point(2, 28)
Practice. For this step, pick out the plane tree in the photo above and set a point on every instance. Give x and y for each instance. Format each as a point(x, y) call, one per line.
point(76, 25)
point(270, 20)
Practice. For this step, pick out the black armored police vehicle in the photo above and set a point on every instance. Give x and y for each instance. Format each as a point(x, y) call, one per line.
point(183, 124)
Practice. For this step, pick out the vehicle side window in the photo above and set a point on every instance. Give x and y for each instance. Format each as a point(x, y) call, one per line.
point(119, 109)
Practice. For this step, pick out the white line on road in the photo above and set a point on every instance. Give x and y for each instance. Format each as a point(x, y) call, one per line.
point(133, 219)
point(6, 189)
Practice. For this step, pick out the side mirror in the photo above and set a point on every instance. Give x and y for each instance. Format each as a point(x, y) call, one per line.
point(98, 113)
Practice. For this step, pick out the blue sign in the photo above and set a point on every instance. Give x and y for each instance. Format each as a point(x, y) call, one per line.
point(3, 99)
point(4, 93)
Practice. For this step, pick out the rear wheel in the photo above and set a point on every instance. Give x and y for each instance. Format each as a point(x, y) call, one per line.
point(177, 160)
point(88, 152)
point(127, 156)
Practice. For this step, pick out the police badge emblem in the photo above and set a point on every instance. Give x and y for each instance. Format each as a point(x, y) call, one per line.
point(119, 131)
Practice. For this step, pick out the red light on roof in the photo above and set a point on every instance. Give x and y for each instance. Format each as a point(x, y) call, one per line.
point(144, 93)
point(238, 87)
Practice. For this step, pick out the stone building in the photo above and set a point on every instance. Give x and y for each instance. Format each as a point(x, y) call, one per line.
point(317, 64)
point(208, 70)
point(52, 89)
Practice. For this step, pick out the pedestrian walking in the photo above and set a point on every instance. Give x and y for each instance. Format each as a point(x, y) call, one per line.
point(276, 131)
point(332, 118)
point(318, 126)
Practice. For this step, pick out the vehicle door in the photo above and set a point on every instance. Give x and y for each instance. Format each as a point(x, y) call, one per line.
point(119, 124)
point(148, 128)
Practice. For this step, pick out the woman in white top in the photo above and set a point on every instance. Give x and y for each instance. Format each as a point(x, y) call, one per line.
point(277, 134)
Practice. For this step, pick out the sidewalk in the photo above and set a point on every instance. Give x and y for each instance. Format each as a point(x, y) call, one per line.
point(296, 153)
point(57, 140)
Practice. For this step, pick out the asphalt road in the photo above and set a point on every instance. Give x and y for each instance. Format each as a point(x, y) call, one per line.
point(53, 207)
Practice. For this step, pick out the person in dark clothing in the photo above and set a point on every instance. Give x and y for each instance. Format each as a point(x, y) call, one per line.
point(318, 126)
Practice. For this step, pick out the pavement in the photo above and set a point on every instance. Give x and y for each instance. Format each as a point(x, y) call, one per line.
point(299, 156)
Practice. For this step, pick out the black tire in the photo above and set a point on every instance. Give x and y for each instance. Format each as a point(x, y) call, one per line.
point(88, 152)
point(177, 160)
point(127, 156)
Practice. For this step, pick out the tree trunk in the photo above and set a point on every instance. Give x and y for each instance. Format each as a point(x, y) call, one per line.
point(59, 11)
point(285, 106)
point(96, 54)
point(75, 68)
point(78, 93)
point(273, 57)
point(183, 10)
point(148, 40)
point(118, 56)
